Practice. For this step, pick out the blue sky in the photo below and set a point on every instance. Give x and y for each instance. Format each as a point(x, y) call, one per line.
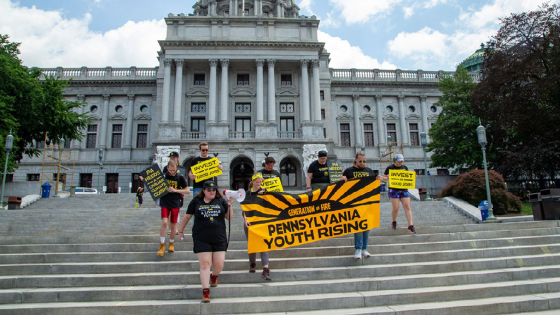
point(366, 34)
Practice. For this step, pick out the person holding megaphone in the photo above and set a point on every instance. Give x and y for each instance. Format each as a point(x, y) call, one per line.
point(208, 233)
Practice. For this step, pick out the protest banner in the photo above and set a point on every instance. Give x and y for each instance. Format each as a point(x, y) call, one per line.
point(272, 185)
point(401, 179)
point(154, 181)
point(335, 171)
point(207, 169)
point(281, 220)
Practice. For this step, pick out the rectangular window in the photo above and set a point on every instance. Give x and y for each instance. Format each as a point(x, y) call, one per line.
point(414, 141)
point(287, 128)
point(198, 107)
point(322, 95)
point(91, 137)
point(286, 79)
point(67, 143)
point(242, 124)
point(86, 180)
point(142, 136)
point(199, 79)
point(368, 135)
point(286, 107)
point(117, 137)
point(9, 178)
point(392, 131)
point(322, 114)
point(419, 171)
point(242, 107)
point(345, 135)
point(242, 79)
point(198, 124)
point(33, 177)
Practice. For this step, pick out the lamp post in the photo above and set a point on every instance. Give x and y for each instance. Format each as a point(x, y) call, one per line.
point(390, 144)
point(481, 132)
point(100, 157)
point(424, 143)
point(60, 148)
point(8, 147)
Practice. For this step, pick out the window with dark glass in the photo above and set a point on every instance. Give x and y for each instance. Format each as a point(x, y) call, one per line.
point(288, 173)
point(86, 180)
point(242, 107)
point(286, 79)
point(286, 128)
point(368, 135)
point(286, 107)
point(198, 124)
point(392, 131)
point(414, 140)
point(117, 136)
point(198, 107)
point(142, 136)
point(33, 177)
point(9, 178)
point(199, 79)
point(322, 93)
point(242, 79)
point(242, 124)
point(91, 141)
point(345, 135)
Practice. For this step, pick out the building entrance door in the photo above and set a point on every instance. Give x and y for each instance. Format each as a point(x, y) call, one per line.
point(112, 183)
point(242, 173)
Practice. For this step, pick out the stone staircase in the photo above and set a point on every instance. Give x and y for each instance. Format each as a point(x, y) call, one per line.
point(96, 255)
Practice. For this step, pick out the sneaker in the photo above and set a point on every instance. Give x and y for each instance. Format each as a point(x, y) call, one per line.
point(213, 280)
point(411, 229)
point(365, 253)
point(266, 274)
point(394, 225)
point(205, 295)
point(252, 267)
point(161, 249)
point(171, 247)
point(358, 254)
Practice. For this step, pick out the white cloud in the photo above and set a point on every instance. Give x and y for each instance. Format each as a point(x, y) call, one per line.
point(408, 12)
point(425, 41)
point(344, 56)
point(433, 3)
point(360, 11)
point(49, 40)
point(305, 5)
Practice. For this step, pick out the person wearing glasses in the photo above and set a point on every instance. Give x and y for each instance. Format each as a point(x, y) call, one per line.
point(399, 194)
point(357, 170)
point(170, 205)
point(209, 233)
point(203, 147)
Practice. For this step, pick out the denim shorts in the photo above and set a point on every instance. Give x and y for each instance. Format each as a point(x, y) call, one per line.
point(398, 193)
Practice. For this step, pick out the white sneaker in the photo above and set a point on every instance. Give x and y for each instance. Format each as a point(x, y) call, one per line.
point(365, 253)
point(358, 254)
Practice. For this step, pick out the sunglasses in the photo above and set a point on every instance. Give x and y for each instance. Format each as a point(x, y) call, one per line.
point(362, 161)
point(210, 189)
point(204, 150)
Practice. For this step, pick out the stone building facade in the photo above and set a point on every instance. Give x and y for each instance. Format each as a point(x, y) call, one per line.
point(251, 79)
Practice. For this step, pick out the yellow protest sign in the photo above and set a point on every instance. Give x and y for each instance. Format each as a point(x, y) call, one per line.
point(207, 169)
point(280, 220)
point(272, 185)
point(401, 179)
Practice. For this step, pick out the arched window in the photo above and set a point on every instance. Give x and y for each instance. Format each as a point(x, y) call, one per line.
point(288, 173)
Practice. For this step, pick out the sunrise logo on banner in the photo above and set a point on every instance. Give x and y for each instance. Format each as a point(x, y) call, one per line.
point(207, 169)
point(280, 220)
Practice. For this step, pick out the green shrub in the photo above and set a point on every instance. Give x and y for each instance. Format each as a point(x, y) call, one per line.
point(471, 187)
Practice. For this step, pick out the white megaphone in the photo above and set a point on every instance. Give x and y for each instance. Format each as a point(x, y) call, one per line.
point(239, 195)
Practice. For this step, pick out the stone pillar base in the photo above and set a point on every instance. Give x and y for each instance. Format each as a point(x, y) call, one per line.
point(217, 130)
point(169, 131)
point(266, 130)
point(312, 130)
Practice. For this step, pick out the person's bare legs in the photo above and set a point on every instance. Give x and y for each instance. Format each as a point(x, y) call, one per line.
point(395, 212)
point(163, 229)
point(407, 210)
point(218, 259)
point(205, 261)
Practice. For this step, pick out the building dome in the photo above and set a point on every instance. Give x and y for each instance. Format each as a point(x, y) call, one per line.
point(474, 62)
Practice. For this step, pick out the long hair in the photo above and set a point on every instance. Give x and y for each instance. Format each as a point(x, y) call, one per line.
point(359, 153)
point(200, 194)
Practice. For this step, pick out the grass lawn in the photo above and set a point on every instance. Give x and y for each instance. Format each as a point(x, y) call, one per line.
point(526, 208)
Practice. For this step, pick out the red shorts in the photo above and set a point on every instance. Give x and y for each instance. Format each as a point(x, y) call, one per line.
point(172, 214)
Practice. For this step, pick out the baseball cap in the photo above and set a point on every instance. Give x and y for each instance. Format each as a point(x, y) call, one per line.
point(175, 154)
point(399, 157)
point(322, 153)
point(209, 184)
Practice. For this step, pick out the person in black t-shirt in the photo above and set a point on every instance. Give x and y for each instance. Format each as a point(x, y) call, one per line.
point(139, 196)
point(318, 172)
point(197, 187)
point(174, 156)
point(357, 170)
point(208, 233)
point(399, 194)
point(268, 170)
point(170, 205)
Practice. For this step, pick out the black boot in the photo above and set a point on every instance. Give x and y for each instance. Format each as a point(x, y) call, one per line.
point(266, 274)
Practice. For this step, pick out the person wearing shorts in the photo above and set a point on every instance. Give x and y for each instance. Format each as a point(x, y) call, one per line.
point(139, 196)
point(210, 242)
point(399, 194)
point(170, 205)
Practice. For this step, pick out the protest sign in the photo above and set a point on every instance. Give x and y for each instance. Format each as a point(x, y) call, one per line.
point(335, 171)
point(280, 220)
point(206, 169)
point(272, 185)
point(154, 181)
point(401, 179)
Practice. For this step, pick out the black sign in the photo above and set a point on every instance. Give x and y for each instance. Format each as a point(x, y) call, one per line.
point(335, 171)
point(154, 181)
point(181, 170)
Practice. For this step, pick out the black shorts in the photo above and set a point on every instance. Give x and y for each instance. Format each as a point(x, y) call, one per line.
point(205, 247)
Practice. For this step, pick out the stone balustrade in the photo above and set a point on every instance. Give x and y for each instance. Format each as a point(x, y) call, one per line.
point(107, 73)
point(377, 75)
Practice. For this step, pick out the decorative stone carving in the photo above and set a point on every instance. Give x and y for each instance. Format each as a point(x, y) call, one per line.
point(423, 98)
point(315, 63)
point(310, 154)
point(213, 62)
point(81, 98)
point(162, 154)
point(400, 97)
point(379, 98)
point(304, 63)
point(260, 62)
point(355, 97)
point(106, 97)
point(225, 63)
point(271, 63)
point(131, 97)
point(179, 63)
point(167, 62)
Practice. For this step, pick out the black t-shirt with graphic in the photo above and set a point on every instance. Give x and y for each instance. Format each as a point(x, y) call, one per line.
point(354, 172)
point(269, 174)
point(173, 200)
point(394, 167)
point(140, 194)
point(320, 172)
point(210, 223)
point(195, 161)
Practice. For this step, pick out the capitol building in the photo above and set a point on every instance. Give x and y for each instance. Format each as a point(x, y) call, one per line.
point(251, 79)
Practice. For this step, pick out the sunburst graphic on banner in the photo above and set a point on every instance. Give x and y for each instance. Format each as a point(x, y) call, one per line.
point(271, 207)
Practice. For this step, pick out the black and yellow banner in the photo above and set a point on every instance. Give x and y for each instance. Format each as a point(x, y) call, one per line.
point(401, 179)
point(335, 170)
point(280, 220)
point(154, 181)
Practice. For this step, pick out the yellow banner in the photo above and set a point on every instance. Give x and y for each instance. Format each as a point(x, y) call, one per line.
point(402, 179)
point(273, 185)
point(280, 220)
point(207, 169)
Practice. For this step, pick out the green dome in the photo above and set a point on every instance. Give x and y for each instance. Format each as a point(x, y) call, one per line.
point(474, 62)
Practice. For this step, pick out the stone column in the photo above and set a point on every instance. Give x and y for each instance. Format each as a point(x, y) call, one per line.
point(357, 124)
point(224, 97)
point(424, 113)
point(316, 91)
point(380, 128)
point(402, 119)
point(271, 91)
point(305, 91)
point(260, 90)
point(179, 63)
point(81, 98)
point(212, 92)
point(104, 122)
point(166, 90)
point(129, 122)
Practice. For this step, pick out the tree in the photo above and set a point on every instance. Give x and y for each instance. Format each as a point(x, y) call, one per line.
point(453, 136)
point(31, 107)
point(519, 94)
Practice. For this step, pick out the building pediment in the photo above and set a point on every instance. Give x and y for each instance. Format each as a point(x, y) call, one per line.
point(94, 117)
point(198, 93)
point(433, 117)
point(390, 117)
point(367, 116)
point(117, 117)
point(242, 92)
point(413, 117)
point(344, 117)
point(285, 93)
point(143, 117)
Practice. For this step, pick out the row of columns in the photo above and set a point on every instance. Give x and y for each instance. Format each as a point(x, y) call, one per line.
point(224, 92)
